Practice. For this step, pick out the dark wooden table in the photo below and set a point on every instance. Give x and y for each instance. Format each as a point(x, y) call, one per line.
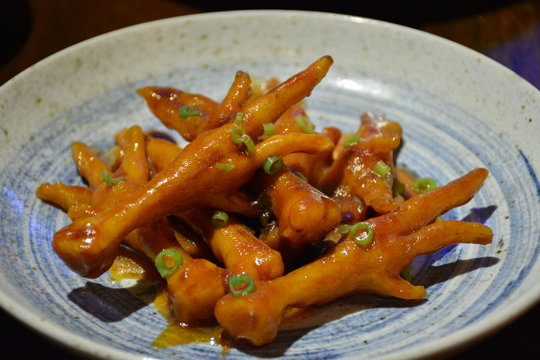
point(507, 31)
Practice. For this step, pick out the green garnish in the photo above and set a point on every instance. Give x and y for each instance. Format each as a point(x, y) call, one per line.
point(224, 167)
point(239, 136)
point(189, 110)
point(237, 132)
point(269, 129)
point(273, 164)
point(109, 180)
point(241, 285)
point(165, 270)
point(344, 229)
point(424, 185)
point(220, 218)
point(366, 233)
point(304, 124)
point(381, 169)
point(351, 140)
point(239, 118)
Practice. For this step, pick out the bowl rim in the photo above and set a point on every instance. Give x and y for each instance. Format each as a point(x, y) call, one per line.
point(465, 337)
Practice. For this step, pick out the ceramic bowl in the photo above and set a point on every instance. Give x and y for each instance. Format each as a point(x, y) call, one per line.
point(459, 110)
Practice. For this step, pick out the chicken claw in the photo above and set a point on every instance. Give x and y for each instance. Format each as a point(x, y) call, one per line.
point(351, 268)
point(196, 286)
point(305, 215)
point(89, 245)
point(165, 103)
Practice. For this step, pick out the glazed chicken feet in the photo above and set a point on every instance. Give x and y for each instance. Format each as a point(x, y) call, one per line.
point(350, 268)
point(89, 245)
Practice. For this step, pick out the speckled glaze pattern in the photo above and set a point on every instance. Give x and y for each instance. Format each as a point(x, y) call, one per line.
point(459, 110)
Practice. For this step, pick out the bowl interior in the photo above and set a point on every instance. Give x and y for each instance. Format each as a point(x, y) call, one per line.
point(458, 109)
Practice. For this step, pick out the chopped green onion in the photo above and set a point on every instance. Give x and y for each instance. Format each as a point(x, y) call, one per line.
point(220, 218)
point(237, 132)
point(366, 235)
point(351, 140)
point(248, 142)
point(239, 136)
point(224, 167)
point(239, 118)
point(269, 129)
point(398, 188)
point(109, 180)
point(424, 185)
point(189, 110)
point(273, 164)
point(381, 169)
point(165, 270)
point(304, 124)
point(344, 229)
point(241, 285)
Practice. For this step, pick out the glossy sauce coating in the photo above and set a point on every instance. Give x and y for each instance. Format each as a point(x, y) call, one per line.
point(284, 229)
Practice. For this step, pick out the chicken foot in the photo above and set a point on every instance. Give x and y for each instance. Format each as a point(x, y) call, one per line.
point(89, 245)
point(350, 268)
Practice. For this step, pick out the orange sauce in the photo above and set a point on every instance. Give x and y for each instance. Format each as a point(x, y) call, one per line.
point(180, 334)
point(130, 265)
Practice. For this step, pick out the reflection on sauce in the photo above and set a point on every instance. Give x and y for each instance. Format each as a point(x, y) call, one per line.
point(141, 279)
point(130, 265)
point(180, 334)
point(176, 334)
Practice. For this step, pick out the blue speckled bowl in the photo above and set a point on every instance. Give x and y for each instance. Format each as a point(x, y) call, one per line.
point(459, 110)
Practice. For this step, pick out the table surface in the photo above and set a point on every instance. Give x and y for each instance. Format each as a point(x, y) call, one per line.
point(507, 31)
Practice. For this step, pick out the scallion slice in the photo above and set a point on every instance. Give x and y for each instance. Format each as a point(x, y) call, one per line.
point(220, 218)
point(239, 136)
point(269, 129)
point(273, 164)
point(237, 132)
point(248, 142)
point(381, 169)
point(239, 118)
point(224, 167)
point(424, 185)
point(304, 124)
point(241, 285)
point(351, 140)
point(366, 233)
point(344, 229)
point(165, 270)
point(109, 180)
point(189, 110)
